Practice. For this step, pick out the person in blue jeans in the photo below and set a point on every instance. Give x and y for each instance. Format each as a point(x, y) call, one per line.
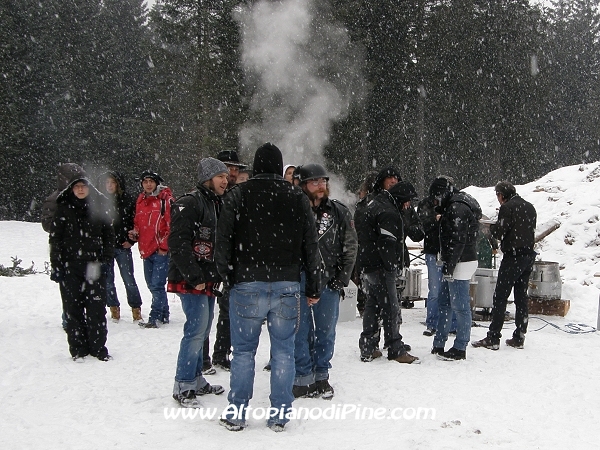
point(314, 344)
point(338, 246)
point(250, 304)
point(193, 276)
point(459, 227)
point(265, 236)
point(151, 228)
point(156, 268)
point(431, 247)
point(112, 184)
point(124, 260)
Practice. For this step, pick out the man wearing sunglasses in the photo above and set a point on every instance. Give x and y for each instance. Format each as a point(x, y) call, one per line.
point(338, 246)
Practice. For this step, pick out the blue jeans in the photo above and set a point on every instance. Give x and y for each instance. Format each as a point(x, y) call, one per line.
point(315, 338)
point(156, 268)
point(434, 285)
point(454, 298)
point(124, 260)
point(198, 310)
point(249, 304)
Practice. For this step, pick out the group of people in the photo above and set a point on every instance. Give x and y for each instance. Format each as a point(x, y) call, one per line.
point(275, 249)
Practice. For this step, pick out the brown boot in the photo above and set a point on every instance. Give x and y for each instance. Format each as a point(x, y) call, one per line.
point(407, 359)
point(115, 313)
point(137, 314)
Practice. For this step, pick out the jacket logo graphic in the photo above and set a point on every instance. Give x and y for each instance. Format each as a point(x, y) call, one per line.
point(203, 250)
point(204, 233)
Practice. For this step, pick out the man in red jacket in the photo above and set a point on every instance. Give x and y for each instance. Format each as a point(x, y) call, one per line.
point(151, 230)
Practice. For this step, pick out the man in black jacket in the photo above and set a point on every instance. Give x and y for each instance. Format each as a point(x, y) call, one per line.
point(222, 346)
point(459, 226)
point(193, 275)
point(337, 247)
point(515, 229)
point(112, 184)
point(374, 183)
point(266, 236)
point(381, 250)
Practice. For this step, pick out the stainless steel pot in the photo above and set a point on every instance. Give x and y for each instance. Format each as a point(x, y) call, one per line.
point(545, 281)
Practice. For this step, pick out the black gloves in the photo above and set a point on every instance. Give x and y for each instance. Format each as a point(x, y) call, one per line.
point(335, 284)
point(57, 274)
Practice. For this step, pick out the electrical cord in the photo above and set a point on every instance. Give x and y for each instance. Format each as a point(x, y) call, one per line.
point(570, 328)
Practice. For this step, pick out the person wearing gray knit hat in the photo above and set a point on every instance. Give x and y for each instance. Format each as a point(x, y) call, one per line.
point(209, 168)
point(193, 276)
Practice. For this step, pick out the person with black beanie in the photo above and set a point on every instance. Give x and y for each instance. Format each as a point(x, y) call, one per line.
point(265, 236)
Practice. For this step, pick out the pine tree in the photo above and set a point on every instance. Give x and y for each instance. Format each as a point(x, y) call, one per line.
point(572, 65)
point(198, 95)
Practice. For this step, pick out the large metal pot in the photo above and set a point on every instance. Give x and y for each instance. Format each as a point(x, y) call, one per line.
point(347, 311)
point(545, 282)
point(486, 285)
point(412, 291)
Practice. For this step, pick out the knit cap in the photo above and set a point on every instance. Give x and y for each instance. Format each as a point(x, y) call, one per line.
point(268, 159)
point(209, 168)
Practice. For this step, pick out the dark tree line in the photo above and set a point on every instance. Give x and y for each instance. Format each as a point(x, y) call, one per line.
point(482, 90)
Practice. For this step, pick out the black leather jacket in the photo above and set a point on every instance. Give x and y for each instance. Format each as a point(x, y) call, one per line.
point(459, 226)
point(193, 237)
point(338, 243)
point(515, 227)
point(380, 235)
point(431, 226)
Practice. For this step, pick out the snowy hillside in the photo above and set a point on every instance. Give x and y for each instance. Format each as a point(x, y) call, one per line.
point(544, 396)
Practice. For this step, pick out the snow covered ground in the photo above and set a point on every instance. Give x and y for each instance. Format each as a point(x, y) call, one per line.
point(545, 396)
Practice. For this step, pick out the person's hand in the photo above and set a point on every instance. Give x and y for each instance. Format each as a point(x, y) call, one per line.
point(126, 244)
point(133, 235)
point(200, 287)
point(57, 274)
point(335, 284)
point(312, 301)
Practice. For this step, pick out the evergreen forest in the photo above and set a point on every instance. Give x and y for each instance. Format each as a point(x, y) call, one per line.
point(482, 90)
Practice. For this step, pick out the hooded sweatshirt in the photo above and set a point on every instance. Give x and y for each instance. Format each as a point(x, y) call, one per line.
point(65, 173)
